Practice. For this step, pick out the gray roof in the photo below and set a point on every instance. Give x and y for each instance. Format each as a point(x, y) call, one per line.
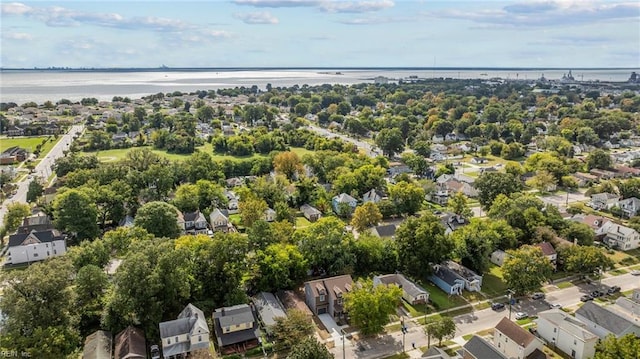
point(42, 237)
point(481, 349)
point(613, 322)
point(97, 345)
point(566, 322)
point(435, 353)
point(344, 198)
point(190, 321)
point(268, 307)
point(237, 314)
point(401, 281)
point(309, 209)
point(387, 230)
point(446, 274)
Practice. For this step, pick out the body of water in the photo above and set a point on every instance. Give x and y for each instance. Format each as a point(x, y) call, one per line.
point(40, 86)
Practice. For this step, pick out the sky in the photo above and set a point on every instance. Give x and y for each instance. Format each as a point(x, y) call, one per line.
point(320, 33)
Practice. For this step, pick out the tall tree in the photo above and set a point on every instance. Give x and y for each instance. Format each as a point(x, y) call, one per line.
point(326, 246)
point(375, 255)
point(390, 141)
point(459, 204)
point(35, 190)
point(440, 329)
point(408, 197)
point(584, 259)
point(369, 306)
point(251, 210)
point(526, 269)
point(16, 212)
point(40, 312)
point(159, 219)
point(91, 283)
point(279, 266)
point(289, 164)
point(366, 216)
point(599, 159)
point(309, 348)
point(543, 181)
point(491, 184)
point(626, 347)
point(76, 213)
point(422, 243)
point(292, 329)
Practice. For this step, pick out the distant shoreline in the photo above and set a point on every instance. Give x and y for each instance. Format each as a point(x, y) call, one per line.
point(235, 69)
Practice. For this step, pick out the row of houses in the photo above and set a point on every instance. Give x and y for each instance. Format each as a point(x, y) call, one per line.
point(33, 129)
point(609, 232)
point(13, 155)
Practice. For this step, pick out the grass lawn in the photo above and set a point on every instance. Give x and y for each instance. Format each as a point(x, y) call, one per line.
point(524, 321)
point(467, 337)
point(481, 306)
point(392, 328)
point(29, 143)
point(398, 356)
point(492, 282)
point(563, 285)
point(440, 299)
point(302, 222)
point(618, 272)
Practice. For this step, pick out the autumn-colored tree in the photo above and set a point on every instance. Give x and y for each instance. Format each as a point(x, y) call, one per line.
point(288, 163)
point(366, 216)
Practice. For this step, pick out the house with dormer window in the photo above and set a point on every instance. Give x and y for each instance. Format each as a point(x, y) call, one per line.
point(35, 246)
point(236, 328)
point(325, 296)
point(195, 223)
point(186, 334)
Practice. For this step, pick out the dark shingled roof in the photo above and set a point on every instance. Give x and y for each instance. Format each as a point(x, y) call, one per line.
point(130, 344)
point(514, 332)
point(605, 318)
point(237, 314)
point(481, 349)
point(43, 237)
point(387, 230)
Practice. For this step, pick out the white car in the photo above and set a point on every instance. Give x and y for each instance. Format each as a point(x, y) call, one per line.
point(521, 315)
point(635, 272)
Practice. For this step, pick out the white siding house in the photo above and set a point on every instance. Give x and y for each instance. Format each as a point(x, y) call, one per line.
point(567, 333)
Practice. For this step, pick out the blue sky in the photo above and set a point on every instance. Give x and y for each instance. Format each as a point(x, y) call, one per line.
point(327, 33)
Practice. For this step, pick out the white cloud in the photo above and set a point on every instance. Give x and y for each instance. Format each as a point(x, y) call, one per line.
point(19, 36)
point(546, 13)
point(15, 8)
point(330, 6)
point(257, 18)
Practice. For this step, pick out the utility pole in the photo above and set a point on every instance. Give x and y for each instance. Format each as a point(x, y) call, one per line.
point(511, 292)
point(343, 352)
point(404, 332)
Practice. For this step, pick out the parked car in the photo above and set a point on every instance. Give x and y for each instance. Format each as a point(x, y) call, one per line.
point(635, 272)
point(554, 306)
point(497, 306)
point(155, 352)
point(596, 294)
point(586, 298)
point(537, 295)
point(614, 289)
point(521, 315)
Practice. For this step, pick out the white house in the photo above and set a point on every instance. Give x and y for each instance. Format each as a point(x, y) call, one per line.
point(602, 321)
point(603, 201)
point(411, 292)
point(619, 236)
point(497, 257)
point(513, 341)
point(372, 196)
point(219, 221)
point(269, 215)
point(630, 206)
point(187, 333)
point(35, 246)
point(567, 333)
point(343, 198)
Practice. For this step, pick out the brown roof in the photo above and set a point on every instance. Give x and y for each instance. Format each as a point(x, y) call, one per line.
point(130, 344)
point(293, 301)
point(342, 282)
point(547, 248)
point(591, 221)
point(514, 332)
point(537, 354)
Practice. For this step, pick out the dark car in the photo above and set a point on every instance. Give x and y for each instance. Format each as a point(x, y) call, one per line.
point(614, 289)
point(497, 306)
point(597, 293)
point(586, 298)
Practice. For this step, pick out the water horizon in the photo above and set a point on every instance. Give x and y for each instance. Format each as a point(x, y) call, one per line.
point(40, 85)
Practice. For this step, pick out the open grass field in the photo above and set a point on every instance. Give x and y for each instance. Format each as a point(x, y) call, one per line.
point(492, 282)
point(29, 143)
point(120, 153)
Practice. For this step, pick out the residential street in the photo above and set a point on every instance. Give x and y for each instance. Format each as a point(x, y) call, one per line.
point(43, 169)
point(388, 344)
point(370, 150)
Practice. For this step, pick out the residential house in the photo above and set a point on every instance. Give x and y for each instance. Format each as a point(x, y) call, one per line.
point(619, 236)
point(453, 278)
point(396, 168)
point(12, 155)
point(324, 296)
point(627, 172)
point(127, 221)
point(411, 292)
point(49, 194)
point(513, 341)
point(235, 182)
point(630, 207)
point(584, 179)
point(602, 201)
point(311, 213)
point(631, 304)
point(291, 300)
point(186, 334)
point(195, 223)
point(269, 308)
point(15, 131)
point(180, 220)
point(434, 352)
point(595, 222)
point(549, 252)
point(219, 221)
point(602, 321)
point(497, 257)
point(130, 344)
point(603, 174)
point(98, 345)
point(232, 201)
point(373, 195)
point(479, 160)
point(342, 199)
point(236, 328)
point(452, 221)
point(566, 333)
point(35, 246)
point(38, 221)
point(451, 137)
point(384, 231)
point(270, 215)
point(478, 348)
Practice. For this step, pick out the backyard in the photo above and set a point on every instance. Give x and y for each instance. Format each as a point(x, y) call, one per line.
point(29, 143)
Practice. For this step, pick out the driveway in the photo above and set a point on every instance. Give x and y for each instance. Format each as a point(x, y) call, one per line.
point(332, 327)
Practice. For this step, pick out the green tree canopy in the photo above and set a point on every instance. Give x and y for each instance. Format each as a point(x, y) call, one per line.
point(422, 243)
point(326, 246)
point(309, 348)
point(626, 347)
point(369, 306)
point(492, 184)
point(279, 266)
point(292, 329)
point(159, 219)
point(584, 259)
point(76, 213)
point(526, 269)
point(365, 216)
point(16, 212)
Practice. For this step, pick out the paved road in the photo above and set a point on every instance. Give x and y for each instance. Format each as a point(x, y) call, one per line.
point(388, 344)
point(369, 150)
point(42, 169)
